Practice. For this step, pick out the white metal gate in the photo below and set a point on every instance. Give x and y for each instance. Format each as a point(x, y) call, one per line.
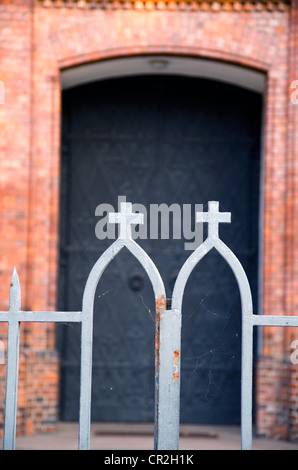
point(167, 325)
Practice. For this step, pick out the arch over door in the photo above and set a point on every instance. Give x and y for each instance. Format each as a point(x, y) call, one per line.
point(157, 139)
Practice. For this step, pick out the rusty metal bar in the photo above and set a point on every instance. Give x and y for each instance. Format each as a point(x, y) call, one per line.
point(86, 342)
point(169, 381)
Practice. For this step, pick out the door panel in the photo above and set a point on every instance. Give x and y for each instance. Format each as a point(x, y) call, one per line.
point(155, 140)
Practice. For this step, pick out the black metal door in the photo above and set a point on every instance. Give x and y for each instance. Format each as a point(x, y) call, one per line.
point(157, 139)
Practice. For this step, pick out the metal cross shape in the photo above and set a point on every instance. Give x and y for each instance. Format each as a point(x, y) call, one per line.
point(213, 217)
point(125, 218)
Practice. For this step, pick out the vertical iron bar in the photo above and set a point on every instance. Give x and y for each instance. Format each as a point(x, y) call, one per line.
point(86, 376)
point(160, 307)
point(157, 364)
point(169, 381)
point(12, 364)
point(246, 382)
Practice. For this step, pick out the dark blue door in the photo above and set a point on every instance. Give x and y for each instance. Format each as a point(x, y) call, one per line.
point(155, 140)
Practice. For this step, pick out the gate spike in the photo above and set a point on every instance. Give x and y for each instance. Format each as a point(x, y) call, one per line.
point(15, 292)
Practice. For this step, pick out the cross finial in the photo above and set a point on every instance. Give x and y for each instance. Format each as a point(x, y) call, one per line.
point(125, 218)
point(213, 217)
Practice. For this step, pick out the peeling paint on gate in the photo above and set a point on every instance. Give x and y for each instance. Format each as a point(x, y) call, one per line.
point(176, 357)
point(160, 306)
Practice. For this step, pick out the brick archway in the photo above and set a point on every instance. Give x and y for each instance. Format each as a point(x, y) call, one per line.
point(166, 64)
point(216, 47)
point(262, 60)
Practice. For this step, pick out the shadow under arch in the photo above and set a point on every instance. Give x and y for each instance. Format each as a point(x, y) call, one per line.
point(124, 65)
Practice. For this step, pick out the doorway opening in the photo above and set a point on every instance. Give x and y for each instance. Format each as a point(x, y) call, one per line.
point(156, 139)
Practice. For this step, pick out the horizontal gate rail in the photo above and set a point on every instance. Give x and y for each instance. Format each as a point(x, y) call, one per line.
point(248, 322)
point(167, 332)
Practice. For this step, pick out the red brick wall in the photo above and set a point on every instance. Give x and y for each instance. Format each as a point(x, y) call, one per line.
point(37, 40)
point(292, 293)
point(277, 386)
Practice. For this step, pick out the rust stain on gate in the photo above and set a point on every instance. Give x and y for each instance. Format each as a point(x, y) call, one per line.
point(176, 357)
point(160, 306)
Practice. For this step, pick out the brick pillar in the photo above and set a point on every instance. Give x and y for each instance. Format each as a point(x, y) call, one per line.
point(292, 202)
point(15, 144)
point(277, 377)
point(38, 373)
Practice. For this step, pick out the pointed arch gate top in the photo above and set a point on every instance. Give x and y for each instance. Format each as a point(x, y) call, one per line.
point(168, 332)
